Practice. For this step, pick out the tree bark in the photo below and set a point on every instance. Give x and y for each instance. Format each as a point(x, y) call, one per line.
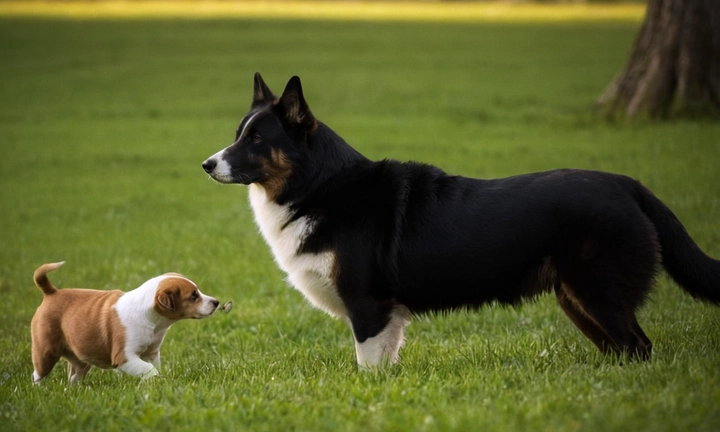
point(674, 66)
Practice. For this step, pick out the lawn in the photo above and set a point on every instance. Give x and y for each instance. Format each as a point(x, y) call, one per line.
point(104, 124)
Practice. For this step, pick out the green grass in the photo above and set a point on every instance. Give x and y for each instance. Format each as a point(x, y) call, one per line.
point(104, 124)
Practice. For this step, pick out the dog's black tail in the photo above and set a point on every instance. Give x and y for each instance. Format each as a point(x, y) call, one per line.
point(697, 273)
point(41, 279)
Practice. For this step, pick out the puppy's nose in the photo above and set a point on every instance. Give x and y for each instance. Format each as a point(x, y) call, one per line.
point(215, 303)
point(209, 165)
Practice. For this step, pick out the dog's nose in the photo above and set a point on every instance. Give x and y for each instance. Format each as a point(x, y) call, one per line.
point(209, 165)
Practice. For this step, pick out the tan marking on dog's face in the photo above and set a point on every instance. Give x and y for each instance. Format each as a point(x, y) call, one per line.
point(179, 298)
point(278, 168)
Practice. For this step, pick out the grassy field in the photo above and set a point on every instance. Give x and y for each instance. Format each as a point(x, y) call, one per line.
point(104, 124)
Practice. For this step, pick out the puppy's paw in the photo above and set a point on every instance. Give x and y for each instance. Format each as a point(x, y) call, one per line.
point(149, 374)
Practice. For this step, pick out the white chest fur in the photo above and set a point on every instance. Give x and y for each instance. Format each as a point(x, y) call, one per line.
point(144, 328)
point(309, 273)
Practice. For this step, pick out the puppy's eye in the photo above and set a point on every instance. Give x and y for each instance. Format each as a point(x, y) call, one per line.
point(194, 296)
point(257, 138)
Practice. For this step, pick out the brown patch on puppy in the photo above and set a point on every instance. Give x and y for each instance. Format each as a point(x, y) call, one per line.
point(178, 298)
point(57, 333)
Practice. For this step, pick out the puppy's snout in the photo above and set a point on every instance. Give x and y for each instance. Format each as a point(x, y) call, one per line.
point(215, 303)
point(209, 165)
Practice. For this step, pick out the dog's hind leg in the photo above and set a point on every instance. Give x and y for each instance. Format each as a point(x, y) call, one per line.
point(606, 275)
point(611, 326)
point(77, 370)
point(380, 349)
point(44, 362)
point(644, 345)
point(591, 329)
point(623, 329)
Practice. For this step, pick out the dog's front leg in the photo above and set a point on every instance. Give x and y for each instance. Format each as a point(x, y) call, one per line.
point(137, 367)
point(155, 360)
point(152, 356)
point(382, 348)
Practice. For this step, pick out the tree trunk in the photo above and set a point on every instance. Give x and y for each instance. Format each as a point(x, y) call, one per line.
point(674, 66)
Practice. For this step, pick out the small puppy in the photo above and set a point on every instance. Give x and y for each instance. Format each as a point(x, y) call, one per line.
point(110, 329)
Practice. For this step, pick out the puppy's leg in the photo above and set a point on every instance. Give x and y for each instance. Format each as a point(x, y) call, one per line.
point(135, 366)
point(380, 349)
point(44, 362)
point(77, 370)
point(152, 357)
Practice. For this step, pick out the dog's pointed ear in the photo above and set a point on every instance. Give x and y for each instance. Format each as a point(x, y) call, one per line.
point(293, 104)
point(166, 300)
point(261, 92)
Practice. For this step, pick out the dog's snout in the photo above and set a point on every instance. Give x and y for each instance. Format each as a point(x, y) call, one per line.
point(209, 165)
point(215, 303)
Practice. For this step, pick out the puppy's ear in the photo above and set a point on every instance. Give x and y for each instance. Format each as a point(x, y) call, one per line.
point(261, 92)
point(166, 300)
point(293, 104)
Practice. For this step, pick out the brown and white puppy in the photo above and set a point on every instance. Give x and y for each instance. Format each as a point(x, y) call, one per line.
point(110, 329)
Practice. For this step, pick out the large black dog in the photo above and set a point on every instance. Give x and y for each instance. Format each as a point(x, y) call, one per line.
point(375, 242)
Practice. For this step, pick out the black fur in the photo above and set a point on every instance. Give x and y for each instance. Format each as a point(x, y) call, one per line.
point(410, 234)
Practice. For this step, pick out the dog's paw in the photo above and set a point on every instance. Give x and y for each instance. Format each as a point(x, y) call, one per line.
point(149, 374)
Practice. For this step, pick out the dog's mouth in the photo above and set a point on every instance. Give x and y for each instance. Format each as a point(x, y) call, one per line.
point(245, 179)
point(221, 179)
point(224, 308)
point(221, 172)
point(203, 314)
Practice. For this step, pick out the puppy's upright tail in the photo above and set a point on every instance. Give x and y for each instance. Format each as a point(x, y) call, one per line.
point(41, 279)
point(697, 273)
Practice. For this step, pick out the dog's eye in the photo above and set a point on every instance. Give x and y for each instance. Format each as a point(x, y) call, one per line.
point(257, 138)
point(194, 296)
